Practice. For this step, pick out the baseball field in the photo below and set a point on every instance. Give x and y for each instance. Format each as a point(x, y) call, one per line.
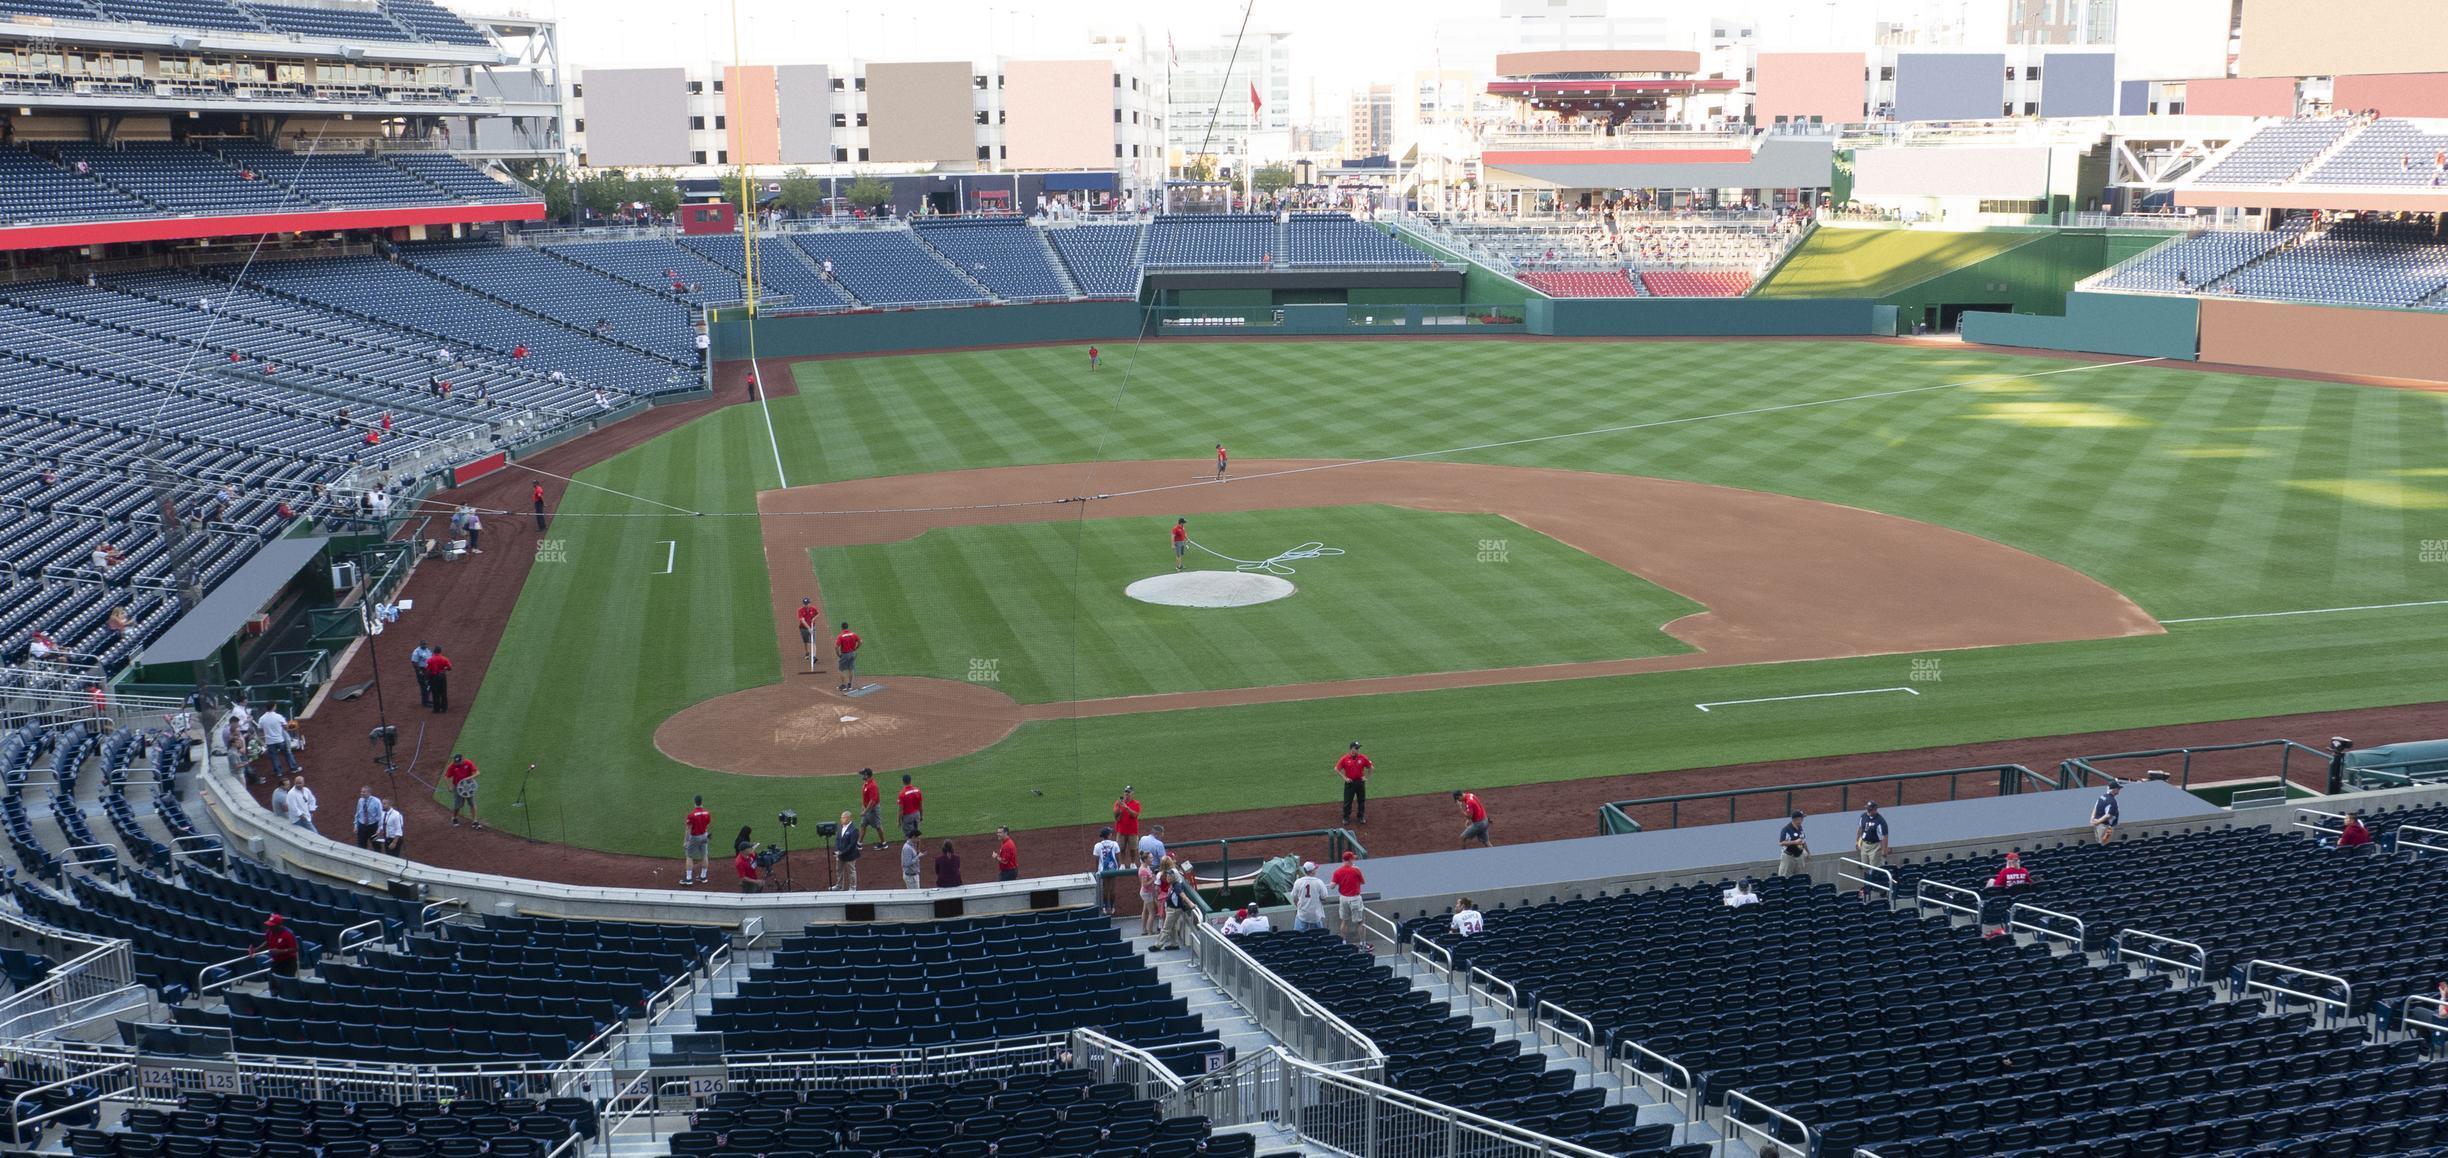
point(1554, 554)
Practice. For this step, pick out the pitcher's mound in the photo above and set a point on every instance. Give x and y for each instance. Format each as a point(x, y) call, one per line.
point(1210, 589)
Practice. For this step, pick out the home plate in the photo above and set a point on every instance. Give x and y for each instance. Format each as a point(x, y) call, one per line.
point(849, 719)
point(1210, 589)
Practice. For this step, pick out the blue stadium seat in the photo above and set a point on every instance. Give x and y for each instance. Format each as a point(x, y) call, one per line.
point(885, 267)
point(1005, 254)
point(1102, 258)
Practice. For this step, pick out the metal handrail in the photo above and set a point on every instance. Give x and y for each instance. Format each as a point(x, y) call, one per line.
point(427, 917)
point(1157, 1071)
point(2313, 826)
point(2397, 839)
point(195, 846)
point(342, 944)
point(2343, 1004)
point(2407, 1022)
point(2018, 776)
point(203, 986)
point(1690, 1089)
point(1360, 1043)
point(1465, 1119)
point(1923, 901)
point(1419, 939)
point(9, 1032)
point(1768, 1145)
point(18, 1122)
point(109, 855)
point(2015, 922)
point(2199, 967)
point(1589, 1039)
point(1513, 995)
point(1866, 880)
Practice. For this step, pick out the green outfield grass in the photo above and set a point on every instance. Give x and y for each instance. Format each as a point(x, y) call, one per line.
point(2195, 494)
point(1040, 605)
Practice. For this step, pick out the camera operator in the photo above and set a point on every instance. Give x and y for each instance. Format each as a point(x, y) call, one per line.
point(846, 850)
point(751, 874)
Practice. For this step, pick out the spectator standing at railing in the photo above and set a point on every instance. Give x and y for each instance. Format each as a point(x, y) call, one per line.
point(394, 830)
point(947, 868)
point(846, 854)
point(1151, 897)
point(1106, 853)
point(1126, 826)
point(695, 835)
point(1152, 846)
point(1179, 913)
point(1308, 899)
point(911, 859)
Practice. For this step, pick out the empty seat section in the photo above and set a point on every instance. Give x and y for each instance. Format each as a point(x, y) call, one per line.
point(336, 177)
point(657, 265)
point(781, 269)
point(1101, 257)
point(180, 14)
point(884, 267)
point(1695, 283)
point(1212, 240)
point(1610, 283)
point(1005, 255)
point(183, 179)
point(1339, 239)
point(585, 298)
point(32, 189)
point(2277, 152)
point(2200, 260)
point(457, 177)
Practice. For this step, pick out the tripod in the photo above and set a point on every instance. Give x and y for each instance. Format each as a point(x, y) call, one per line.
point(788, 883)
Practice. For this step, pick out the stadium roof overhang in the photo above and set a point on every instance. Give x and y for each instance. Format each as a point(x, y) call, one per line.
point(179, 106)
point(205, 40)
point(2362, 199)
point(83, 233)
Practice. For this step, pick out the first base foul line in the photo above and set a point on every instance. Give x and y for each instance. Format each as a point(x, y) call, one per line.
point(670, 556)
point(1810, 696)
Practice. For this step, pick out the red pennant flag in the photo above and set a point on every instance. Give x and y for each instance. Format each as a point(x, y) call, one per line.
point(1255, 103)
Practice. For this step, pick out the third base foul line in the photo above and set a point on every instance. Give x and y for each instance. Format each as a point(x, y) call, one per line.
point(1809, 696)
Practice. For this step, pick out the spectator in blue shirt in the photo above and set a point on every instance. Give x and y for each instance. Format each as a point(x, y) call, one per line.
point(1792, 845)
point(2104, 814)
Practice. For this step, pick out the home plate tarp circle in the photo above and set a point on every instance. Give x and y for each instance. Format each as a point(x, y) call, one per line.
point(1210, 589)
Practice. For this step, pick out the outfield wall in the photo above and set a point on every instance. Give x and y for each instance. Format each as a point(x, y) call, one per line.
point(2133, 325)
point(2326, 339)
point(910, 331)
point(1702, 317)
point(902, 331)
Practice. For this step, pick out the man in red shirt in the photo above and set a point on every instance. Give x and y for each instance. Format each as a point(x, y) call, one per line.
point(1007, 856)
point(845, 656)
point(1181, 541)
point(751, 880)
point(461, 773)
point(1092, 357)
point(539, 508)
point(693, 864)
point(1474, 818)
point(809, 615)
point(281, 945)
point(2013, 875)
point(1126, 826)
point(913, 803)
point(871, 807)
point(1355, 769)
point(437, 679)
point(1220, 462)
point(1348, 907)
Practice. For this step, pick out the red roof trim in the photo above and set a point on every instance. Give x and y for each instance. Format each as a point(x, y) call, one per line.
point(54, 236)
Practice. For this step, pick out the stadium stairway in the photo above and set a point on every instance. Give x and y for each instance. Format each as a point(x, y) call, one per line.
point(919, 236)
point(1180, 973)
point(1062, 271)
